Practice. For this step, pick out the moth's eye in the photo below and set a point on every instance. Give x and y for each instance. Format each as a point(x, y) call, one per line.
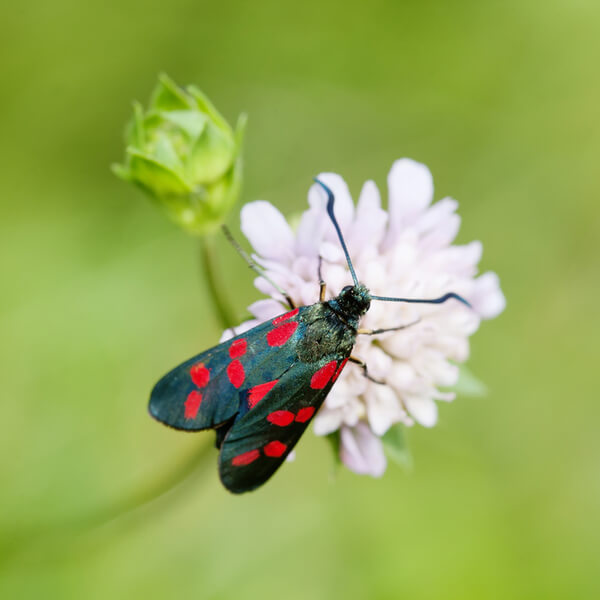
point(346, 288)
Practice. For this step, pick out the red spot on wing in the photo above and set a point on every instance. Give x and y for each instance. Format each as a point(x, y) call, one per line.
point(235, 372)
point(238, 348)
point(280, 335)
point(274, 449)
point(321, 378)
point(241, 460)
point(200, 375)
point(339, 371)
point(304, 414)
point(192, 404)
point(286, 317)
point(258, 392)
point(280, 417)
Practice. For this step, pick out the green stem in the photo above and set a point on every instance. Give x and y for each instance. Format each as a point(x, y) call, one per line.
point(152, 491)
point(83, 527)
point(46, 539)
point(219, 301)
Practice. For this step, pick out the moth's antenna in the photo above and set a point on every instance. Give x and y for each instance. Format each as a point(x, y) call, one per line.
point(253, 265)
point(330, 201)
point(419, 301)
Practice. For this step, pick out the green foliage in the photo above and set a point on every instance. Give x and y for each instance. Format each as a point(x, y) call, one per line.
point(396, 446)
point(468, 385)
point(185, 155)
point(334, 442)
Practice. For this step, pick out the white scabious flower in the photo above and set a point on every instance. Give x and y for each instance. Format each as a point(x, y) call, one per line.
point(404, 252)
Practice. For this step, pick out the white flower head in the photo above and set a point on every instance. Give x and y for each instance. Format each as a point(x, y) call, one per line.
point(404, 252)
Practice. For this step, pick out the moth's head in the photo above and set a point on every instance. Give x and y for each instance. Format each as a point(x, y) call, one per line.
point(355, 299)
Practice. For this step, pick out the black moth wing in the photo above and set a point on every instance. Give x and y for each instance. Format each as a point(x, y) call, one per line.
point(206, 391)
point(259, 441)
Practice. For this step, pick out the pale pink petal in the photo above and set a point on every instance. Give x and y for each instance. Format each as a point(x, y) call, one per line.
point(436, 215)
point(267, 230)
point(402, 376)
point(410, 186)
point(306, 267)
point(267, 288)
point(423, 410)
point(455, 347)
point(331, 252)
point(370, 221)
point(327, 421)
point(442, 235)
point(310, 232)
point(456, 260)
point(438, 369)
point(308, 293)
point(487, 298)
point(380, 363)
point(346, 391)
point(343, 207)
point(264, 310)
point(241, 328)
point(362, 451)
point(337, 277)
point(383, 409)
point(444, 396)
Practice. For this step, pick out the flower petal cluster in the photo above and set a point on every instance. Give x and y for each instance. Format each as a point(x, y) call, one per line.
point(406, 251)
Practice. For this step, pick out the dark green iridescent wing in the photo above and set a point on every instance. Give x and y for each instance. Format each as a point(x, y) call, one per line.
point(277, 416)
point(259, 390)
point(207, 390)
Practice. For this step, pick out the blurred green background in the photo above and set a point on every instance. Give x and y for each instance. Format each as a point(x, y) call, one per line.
point(101, 295)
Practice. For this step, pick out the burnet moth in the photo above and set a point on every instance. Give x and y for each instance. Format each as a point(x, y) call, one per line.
point(261, 389)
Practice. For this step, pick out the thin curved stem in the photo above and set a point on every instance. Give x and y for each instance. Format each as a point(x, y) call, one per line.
point(40, 539)
point(219, 300)
point(82, 527)
point(152, 491)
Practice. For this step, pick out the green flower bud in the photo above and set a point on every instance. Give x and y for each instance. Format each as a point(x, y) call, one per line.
point(184, 154)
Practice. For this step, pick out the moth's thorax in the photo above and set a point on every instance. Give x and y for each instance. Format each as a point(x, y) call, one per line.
point(328, 333)
point(331, 326)
point(353, 302)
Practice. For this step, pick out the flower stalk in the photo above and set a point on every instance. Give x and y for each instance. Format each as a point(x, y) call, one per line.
point(183, 154)
point(209, 272)
point(69, 535)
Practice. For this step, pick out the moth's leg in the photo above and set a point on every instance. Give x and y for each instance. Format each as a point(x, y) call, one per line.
point(221, 431)
point(322, 284)
point(322, 289)
point(363, 365)
point(377, 331)
point(290, 302)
